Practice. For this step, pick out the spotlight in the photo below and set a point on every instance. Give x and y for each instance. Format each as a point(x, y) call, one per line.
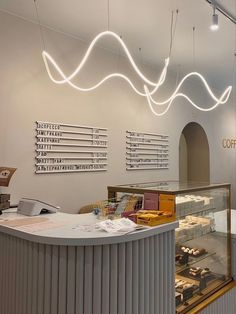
point(215, 25)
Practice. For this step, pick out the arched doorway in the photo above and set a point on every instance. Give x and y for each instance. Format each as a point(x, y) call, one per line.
point(194, 156)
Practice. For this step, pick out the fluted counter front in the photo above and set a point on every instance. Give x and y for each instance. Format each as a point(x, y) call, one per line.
point(63, 270)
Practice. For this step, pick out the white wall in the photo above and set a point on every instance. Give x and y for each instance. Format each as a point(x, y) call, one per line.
point(28, 95)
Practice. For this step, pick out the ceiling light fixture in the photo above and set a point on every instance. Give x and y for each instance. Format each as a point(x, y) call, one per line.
point(222, 100)
point(68, 79)
point(220, 8)
point(215, 23)
point(50, 62)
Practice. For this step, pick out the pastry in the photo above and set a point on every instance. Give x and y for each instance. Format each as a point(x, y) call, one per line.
point(180, 284)
point(193, 251)
point(177, 257)
point(178, 298)
point(182, 258)
point(195, 271)
point(205, 272)
point(199, 252)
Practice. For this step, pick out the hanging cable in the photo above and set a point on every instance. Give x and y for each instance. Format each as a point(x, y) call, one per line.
point(194, 52)
point(108, 15)
point(140, 56)
point(171, 32)
point(40, 25)
point(173, 26)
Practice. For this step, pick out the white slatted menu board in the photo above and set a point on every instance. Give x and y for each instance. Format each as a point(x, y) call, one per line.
point(146, 151)
point(64, 147)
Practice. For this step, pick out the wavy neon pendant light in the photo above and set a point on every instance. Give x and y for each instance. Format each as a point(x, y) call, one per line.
point(49, 61)
point(222, 100)
point(68, 79)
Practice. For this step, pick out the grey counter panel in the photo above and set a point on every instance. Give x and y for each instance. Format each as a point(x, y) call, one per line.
point(131, 277)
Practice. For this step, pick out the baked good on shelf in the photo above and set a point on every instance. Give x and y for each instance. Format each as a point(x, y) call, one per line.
point(196, 252)
point(205, 272)
point(177, 257)
point(178, 297)
point(195, 271)
point(199, 252)
point(193, 227)
point(199, 272)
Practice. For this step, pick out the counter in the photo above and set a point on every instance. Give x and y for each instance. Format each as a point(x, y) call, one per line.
point(62, 230)
point(53, 267)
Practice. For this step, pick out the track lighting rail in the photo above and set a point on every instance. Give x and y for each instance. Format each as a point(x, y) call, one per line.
point(223, 11)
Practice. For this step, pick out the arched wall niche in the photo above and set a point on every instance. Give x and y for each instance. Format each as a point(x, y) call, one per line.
point(194, 154)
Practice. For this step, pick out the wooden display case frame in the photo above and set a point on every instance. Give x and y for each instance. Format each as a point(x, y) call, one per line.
point(136, 188)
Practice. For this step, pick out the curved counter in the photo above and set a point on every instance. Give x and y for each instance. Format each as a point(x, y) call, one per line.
point(63, 229)
point(53, 266)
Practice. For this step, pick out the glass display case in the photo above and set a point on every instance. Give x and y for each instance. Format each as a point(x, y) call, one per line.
point(203, 246)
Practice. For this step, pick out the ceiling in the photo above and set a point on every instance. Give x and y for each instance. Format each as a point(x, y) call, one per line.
point(145, 25)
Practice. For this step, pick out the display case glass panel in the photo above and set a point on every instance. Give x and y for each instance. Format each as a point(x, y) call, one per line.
point(202, 245)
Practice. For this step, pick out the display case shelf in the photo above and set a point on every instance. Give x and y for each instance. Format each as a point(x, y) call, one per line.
point(192, 261)
point(200, 296)
point(197, 212)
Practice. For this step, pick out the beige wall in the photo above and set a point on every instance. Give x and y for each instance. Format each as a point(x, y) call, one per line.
point(28, 95)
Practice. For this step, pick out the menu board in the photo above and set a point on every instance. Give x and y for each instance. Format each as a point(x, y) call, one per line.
point(146, 151)
point(64, 147)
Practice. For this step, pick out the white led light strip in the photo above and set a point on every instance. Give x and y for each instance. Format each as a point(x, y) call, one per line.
point(222, 100)
point(67, 79)
point(148, 94)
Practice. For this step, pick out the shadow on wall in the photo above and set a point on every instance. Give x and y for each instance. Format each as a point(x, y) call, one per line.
point(194, 156)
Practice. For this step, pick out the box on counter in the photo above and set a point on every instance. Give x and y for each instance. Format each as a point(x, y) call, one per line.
point(154, 217)
point(150, 201)
point(4, 198)
point(132, 215)
point(5, 205)
point(167, 203)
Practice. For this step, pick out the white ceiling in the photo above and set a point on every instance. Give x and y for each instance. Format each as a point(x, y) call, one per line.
point(145, 24)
